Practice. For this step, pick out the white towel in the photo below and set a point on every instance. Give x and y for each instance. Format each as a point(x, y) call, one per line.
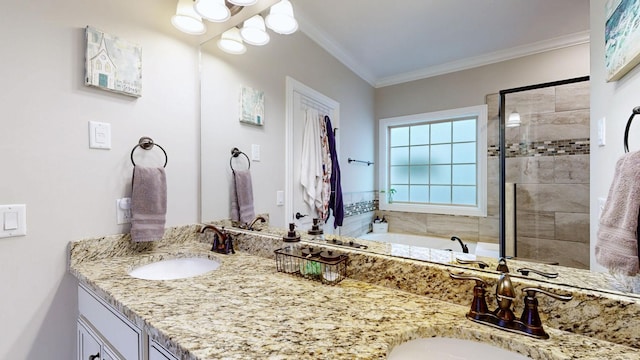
point(617, 244)
point(311, 161)
point(148, 203)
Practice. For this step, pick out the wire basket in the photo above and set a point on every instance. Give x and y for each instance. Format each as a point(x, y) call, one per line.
point(328, 267)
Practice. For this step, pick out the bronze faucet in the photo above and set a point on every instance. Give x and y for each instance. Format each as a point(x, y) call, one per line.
point(503, 317)
point(221, 234)
point(260, 218)
point(222, 242)
point(464, 247)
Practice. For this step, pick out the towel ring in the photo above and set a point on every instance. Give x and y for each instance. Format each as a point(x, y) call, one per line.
point(234, 154)
point(636, 110)
point(146, 143)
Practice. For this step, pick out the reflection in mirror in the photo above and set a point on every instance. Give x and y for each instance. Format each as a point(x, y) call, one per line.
point(544, 187)
point(267, 67)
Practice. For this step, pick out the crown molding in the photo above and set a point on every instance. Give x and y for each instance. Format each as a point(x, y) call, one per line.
point(486, 59)
point(339, 53)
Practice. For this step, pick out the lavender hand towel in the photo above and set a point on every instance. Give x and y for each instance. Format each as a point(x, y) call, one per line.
point(617, 244)
point(148, 203)
point(242, 197)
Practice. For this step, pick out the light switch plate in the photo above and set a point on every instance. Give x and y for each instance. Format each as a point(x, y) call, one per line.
point(255, 152)
point(99, 135)
point(13, 220)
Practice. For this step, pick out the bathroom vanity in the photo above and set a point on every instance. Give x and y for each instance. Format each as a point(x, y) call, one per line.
point(246, 309)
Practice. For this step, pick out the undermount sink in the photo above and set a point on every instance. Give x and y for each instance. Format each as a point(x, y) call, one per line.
point(178, 268)
point(448, 348)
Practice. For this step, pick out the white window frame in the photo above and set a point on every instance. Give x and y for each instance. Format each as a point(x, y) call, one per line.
point(480, 113)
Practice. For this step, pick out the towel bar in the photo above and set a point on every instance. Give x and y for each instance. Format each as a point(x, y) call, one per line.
point(234, 154)
point(634, 112)
point(146, 143)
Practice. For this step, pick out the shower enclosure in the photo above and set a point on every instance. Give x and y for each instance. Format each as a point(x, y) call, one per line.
point(544, 172)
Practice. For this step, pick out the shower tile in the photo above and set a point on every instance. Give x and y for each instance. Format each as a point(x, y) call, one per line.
point(536, 224)
point(530, 170)
point(488, 229)
point(573, 96)
point(553, 197)
point(557, 126)
point(567, 253)
point(406, 223)
point(492, 186)
point(572, 227)
point(493, 121)
point(571, 169)
point(464, 227)
point(536, 101)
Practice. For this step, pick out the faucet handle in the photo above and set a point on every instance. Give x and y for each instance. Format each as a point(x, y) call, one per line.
point(479, 304)
point(502, 265)
point(530, 316)
point(480, 263)
point(531, 293)
point(525, 272)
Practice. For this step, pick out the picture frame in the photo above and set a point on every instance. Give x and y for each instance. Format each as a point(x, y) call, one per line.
point(112, 64)
point(251, 106)
point(622, 37)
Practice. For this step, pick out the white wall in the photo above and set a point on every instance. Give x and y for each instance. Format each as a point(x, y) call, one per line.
point(69, 189)
point(613, 101)
point(265, 68)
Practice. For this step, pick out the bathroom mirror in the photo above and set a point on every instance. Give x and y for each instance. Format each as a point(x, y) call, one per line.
point(265, 68)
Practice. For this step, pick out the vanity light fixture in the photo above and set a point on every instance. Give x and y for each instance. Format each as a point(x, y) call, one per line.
point(231, 42)
point(253, 31)
point(187, 20)
point(213, 10)
point(280, 18)
point(243, 2)
point(514, 119)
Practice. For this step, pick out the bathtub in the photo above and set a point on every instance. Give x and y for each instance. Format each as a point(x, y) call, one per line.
point(481, 248)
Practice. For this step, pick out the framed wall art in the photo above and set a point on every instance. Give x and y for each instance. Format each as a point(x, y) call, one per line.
point(251, 106)
point(112, 64)
point(622, 37)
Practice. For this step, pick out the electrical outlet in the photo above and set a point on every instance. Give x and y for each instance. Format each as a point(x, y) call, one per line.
point(123, 211)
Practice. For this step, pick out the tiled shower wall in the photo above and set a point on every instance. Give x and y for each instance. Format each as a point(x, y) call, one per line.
point(548, 160)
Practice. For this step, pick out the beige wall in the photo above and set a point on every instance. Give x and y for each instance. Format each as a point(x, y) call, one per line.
point(469, 87)
point(614, 102)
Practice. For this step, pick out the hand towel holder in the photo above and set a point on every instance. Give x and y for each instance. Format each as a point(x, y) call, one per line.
point(146, 143)
point(634, 112)
point(235, 152)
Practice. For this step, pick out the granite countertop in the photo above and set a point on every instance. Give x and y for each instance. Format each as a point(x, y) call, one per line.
point(246, 309)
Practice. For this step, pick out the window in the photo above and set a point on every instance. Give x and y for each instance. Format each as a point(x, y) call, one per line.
point(435, 162)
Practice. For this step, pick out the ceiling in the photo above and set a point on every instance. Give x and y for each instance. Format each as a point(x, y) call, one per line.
point(391, 42)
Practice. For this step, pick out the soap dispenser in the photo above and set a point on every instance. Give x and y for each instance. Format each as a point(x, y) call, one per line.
point(291, 236)
point(316, 232)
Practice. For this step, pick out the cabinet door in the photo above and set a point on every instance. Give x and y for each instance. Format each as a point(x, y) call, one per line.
point(157, 352)
point(121, 335)
point(88, 347)
point(108, 355)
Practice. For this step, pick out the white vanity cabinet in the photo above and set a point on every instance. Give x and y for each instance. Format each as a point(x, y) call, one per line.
point(89, 347)
point(103, 330)
point(157, 352)
point(105, 334)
